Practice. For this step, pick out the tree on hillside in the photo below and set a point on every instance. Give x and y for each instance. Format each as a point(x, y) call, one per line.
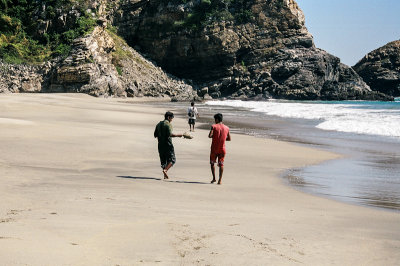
point(4, 4)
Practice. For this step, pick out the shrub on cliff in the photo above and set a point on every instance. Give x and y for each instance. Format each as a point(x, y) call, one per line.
point(22, 38)
point(205, 12)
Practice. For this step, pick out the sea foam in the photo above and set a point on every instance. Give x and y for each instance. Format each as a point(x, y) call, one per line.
point(372, 118)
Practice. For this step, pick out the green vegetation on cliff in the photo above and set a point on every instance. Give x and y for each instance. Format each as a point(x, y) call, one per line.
point(31, 32)
point(206, 12)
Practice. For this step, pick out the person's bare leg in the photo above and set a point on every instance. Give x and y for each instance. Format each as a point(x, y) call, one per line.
point(221, 171)
point(213, 173)
point(165, 170)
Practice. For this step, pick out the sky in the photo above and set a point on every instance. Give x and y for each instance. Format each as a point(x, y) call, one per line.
point(349, 29)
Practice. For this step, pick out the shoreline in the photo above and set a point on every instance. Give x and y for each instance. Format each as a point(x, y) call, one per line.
point(205, 123)
point(352, 155)
point(81, 185)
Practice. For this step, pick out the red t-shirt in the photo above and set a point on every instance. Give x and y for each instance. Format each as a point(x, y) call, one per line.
point(220, 132)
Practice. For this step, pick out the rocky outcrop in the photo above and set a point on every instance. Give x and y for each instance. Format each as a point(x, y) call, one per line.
point(381, 69)
point(266, 52)
point(238, 49)
point(88, 69)
point(22, 78)
point(100, 64)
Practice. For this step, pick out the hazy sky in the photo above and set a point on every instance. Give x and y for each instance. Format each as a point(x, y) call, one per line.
point(349, 29)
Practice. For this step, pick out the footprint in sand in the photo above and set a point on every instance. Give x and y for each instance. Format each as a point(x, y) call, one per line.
point(11, 213)
point(268, 248)
point(15, 212)
point(293, 244)
point(188, 242)
point(6, 220)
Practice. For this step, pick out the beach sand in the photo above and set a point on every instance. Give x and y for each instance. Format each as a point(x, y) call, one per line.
point(81, 185)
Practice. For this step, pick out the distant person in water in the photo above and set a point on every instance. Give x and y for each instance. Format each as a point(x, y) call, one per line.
point(192, 113)
point(163, 133)
point(219, 134)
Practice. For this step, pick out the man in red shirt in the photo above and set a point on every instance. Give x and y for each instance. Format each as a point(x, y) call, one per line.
point(219, 134)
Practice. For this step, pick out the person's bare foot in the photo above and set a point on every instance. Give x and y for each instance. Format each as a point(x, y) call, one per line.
point(213, 181)
point(165, 174)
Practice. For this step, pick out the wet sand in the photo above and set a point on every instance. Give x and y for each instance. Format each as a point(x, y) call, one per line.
point(81, 185)
point(366, 175)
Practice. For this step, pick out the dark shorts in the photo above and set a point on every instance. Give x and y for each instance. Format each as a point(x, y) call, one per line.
point(220, 156)
point(192, 121)
point(166, 157)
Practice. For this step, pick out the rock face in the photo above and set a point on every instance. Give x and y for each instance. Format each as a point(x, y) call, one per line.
point(238, 49)
point(103, 64)
point(381, 69)
point(22, 78)
point(268, 54)
point(100, 64)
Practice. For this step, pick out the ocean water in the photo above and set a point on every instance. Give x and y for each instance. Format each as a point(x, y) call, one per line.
point(361, 117)
point(366, 133)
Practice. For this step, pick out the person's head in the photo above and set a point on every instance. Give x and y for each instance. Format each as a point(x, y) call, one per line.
point(192, 103)
point(169, 116)
point(218, 118)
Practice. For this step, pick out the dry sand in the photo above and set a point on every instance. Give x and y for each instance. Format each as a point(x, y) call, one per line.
point(81, 185)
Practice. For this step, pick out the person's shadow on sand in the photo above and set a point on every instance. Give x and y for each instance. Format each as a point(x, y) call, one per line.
point(139, 177)
point(170, 181)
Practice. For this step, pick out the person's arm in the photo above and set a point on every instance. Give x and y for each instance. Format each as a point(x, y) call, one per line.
point(228, 137)
point(210, 135)
point(172, 135)
point(156, 132)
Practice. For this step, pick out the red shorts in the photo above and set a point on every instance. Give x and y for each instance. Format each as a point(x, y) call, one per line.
point(220, 156)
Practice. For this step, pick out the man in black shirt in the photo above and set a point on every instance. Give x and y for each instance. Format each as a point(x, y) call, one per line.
point(163, 132)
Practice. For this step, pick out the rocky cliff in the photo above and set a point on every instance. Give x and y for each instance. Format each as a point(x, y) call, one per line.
point(239, 49)
point(381, 69)
point(103, 64)
point(100, 63)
